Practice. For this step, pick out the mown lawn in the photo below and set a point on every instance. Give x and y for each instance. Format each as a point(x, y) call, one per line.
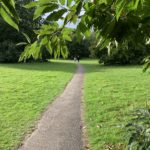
point(25, 91)
point(111, 93)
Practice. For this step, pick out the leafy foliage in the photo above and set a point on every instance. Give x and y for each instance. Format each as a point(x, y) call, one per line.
point(9, 36)
point(123, 55)
point(139, 130)
point(147, 63)
point(119, 20)
point(8, 13)
point(51, 38)
point(8, 52)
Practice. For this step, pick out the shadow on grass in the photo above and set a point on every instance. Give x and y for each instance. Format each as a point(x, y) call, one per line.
point(45, 66)
point(89, 68)
point(64, 66)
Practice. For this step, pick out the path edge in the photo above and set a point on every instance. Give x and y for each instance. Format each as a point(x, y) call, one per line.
point(85, 139)
point(34, 126)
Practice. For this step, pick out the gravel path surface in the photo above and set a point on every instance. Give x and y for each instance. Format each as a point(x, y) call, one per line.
point(60, 126)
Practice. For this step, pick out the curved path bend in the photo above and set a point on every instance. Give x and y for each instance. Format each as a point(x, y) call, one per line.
point(60, 126)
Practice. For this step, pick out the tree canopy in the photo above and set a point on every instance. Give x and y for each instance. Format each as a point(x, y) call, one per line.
point(9, 37)
point(115, 22)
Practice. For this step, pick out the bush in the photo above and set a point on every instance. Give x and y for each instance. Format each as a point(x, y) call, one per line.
point(9, 52)
point(139, 130)
point(122, 56)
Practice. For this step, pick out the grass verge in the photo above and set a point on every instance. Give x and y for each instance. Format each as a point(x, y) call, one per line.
point(25, 91)
point(111, 93)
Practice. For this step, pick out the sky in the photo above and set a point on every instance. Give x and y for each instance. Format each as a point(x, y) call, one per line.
point(69, 25)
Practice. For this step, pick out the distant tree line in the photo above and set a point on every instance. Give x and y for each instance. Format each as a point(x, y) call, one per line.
point(122, 53)
point(85, 48)
point(78, 47)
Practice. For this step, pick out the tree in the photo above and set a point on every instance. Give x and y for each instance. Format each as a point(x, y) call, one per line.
point(118, 20)
point(78, 48)
point(8, 13)
point(9, 51)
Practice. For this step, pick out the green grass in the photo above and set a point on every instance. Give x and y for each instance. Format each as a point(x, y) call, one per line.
point(111, 93)
point(25, 91)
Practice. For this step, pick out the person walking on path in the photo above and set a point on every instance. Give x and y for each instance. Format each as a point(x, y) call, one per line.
point(75, 58)
point(78, 58)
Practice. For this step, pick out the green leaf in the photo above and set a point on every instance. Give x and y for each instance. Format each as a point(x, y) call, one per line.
point(44, 9)
point(68, 17)
point(56, 15)
point(45, 2)
point(39, 11)
point(67, 37)
point(37, 53)
point(31, 5)
point(9, 5)
point(24, 54)
point(62, 2)
point(79, 7)
point(146, 63)
point(64, 51)
point(27, 37)
point(119, 8)
point(12, 2)
point(79, 35)
point(33, 50)
point(108, 28)
point(136, 4)
point(21, 43)
point(133, 5)
point(82, 27)
point(55, 54)
point(69, 2)
point(87, 33)
point(51, 8)
point(8, 19)
point(58, 49)
point(49, 48)
point(44, 41)
point(67, 30)
point(74, 19)
point(103, 42)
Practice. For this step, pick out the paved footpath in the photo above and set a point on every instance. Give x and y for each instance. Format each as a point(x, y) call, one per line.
point(60, 126)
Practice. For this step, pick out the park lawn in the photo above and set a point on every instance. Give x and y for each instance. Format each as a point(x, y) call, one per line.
point(110, 94)
point(25, 92)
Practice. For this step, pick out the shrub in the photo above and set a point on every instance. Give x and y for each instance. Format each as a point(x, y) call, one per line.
point(139, 130)
point(122, 56)
point(9, 52)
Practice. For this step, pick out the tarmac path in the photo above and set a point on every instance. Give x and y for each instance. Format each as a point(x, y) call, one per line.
point(60, 126)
